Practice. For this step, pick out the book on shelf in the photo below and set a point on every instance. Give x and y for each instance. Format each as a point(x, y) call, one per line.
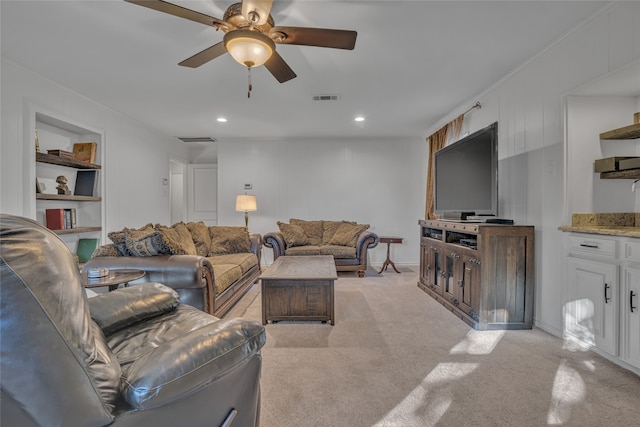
point(61, 153)
point(86, 182)
point(86, 247)
point(85, 151)
point(55, 219)
point(70, 218)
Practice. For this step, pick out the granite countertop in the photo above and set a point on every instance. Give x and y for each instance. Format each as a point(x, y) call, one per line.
point(612, 224)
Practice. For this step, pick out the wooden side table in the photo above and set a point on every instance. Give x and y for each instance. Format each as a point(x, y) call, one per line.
point(113, 280)
point(389, 240)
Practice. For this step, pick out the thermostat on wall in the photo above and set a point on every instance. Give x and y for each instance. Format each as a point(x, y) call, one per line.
point(248, 186)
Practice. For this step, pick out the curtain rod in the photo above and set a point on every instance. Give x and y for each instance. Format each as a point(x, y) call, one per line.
point(474, 106)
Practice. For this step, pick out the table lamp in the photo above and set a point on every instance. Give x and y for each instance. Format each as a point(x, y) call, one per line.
point(246, 202)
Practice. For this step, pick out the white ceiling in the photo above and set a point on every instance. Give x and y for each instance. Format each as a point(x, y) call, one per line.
point(414, 61)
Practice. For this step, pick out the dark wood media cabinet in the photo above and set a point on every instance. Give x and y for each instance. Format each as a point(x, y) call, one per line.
point(483, 273)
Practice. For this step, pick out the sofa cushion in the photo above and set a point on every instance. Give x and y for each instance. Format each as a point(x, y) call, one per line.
point(339, 252)
point(303, 250)
point(293, 235)
point(329, 229)
point(245, 261)
point(228, 240)
point(177, 238)
point(225, 275)
point(201, 238)
point(313, 230)
point(347, 234)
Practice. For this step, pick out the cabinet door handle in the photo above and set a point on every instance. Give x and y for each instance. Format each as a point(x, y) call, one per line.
point(631, 295)
point(606, 298)
point(589, 245)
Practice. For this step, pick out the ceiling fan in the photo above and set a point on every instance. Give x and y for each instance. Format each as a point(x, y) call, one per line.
point(251, 35)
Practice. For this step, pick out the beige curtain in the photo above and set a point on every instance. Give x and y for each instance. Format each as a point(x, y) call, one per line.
point(448, 133)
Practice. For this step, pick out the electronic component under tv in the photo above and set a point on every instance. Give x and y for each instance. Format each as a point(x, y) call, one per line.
point(466, 176)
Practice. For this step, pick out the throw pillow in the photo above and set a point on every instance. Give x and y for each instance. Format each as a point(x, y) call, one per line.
point(177, 239)
point(228, 240)
point(201, 238)
point(106, 250)
point(118, 239)
point(347, 234)
point(293, 235)
point(329, 229)
point(313, 230)
point(146, 242)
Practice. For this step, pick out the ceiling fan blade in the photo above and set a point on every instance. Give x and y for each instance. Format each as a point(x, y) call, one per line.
point(205, 56)
point(182, 12)
point(280, 69)
point(261, 7)
point(321, 37)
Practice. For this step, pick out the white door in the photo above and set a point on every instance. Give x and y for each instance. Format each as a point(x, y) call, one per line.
point(591, 310)
point(202, 199)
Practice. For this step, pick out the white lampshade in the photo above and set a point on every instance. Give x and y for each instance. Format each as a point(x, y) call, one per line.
point(246, 202)
point(249, 48)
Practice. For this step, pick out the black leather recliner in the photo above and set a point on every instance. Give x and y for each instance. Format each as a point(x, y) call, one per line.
point(131, 357)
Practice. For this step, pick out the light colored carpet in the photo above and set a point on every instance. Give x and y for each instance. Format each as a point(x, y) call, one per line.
point(395, 357)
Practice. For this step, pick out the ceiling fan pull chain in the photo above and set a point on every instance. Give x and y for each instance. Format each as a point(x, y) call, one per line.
point(249, 82)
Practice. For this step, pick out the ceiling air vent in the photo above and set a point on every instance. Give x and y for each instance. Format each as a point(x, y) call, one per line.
point(197, 139)
point(326, 97)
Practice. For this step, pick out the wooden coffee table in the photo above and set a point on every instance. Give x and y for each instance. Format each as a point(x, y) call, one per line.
point(299, 288)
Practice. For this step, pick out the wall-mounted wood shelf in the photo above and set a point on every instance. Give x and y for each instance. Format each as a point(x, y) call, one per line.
point(625, 174)
point(77, 230)
point(627, 132)
point(69, 198)
point(60, 161)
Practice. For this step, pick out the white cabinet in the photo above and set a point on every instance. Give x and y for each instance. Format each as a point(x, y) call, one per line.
point(591, 308)
point(602, 295)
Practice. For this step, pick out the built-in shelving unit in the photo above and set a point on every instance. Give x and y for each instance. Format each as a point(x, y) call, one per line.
point(55, 132)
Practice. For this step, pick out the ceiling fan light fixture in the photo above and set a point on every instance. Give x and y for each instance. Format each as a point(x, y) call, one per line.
point(249, 48)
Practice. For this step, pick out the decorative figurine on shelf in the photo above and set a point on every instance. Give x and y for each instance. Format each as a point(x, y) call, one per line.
point(62, 185)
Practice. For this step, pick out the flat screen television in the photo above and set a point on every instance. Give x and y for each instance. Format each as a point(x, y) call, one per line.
point(466, 176)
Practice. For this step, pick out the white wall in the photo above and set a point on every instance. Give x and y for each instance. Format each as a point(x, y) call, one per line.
point(528, 105)
point(379, 182)
point(135, 158)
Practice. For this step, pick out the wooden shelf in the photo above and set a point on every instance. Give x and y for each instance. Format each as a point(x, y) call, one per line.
point(69, 198)
point(56, 160)
point(625, 174)
point(627, 132)
point(77, 230)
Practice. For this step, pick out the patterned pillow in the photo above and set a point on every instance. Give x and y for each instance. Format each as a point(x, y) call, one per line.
point(200, 236)
point(178, 239)
point(228, 240)
point(106, 250)
point(313, 230)
point(347, 234)
point(293, 235)
point(146, 242)
point(118, 239)
point(329, 229)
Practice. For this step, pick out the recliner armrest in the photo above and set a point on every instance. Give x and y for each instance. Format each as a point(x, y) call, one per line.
point(123, 307)
point(187, 364)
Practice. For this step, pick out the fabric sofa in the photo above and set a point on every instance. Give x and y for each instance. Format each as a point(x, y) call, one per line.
point(131, 357)
point(211, 267)
point(347, 241)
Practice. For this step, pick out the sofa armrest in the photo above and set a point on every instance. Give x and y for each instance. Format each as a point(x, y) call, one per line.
point(276, 242)
point(187, 364)
point(123, 307)
point(366, 240)
point(175, 271)
point(256, 245)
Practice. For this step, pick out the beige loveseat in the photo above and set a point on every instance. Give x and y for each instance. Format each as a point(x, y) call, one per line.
point(211, 267)
point(347, 241)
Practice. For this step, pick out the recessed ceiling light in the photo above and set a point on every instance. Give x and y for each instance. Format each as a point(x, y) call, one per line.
point(359, 119)
point(221, 119)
